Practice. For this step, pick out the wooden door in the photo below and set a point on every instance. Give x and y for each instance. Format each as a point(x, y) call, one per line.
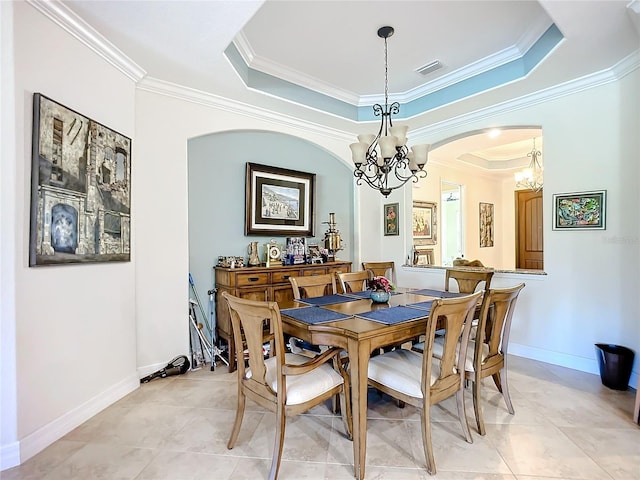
point(529, 226)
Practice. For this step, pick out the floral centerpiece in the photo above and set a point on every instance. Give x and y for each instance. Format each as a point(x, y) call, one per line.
point(380, 284)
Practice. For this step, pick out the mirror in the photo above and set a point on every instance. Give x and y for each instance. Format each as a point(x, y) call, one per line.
point(452, 236)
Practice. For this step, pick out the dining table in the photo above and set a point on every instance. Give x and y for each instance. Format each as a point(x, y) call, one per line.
point(355, 323)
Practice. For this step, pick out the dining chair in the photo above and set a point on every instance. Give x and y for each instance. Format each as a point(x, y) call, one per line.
point(285, 383)
point(354, 281)
point(419, 379)
point(382, 269)
point(313, 285)
point(468, 280)
point(487, 352)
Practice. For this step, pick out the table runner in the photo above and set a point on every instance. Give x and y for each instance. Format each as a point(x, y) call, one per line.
point(327, 300)
point(313, 315)
point(393, 315)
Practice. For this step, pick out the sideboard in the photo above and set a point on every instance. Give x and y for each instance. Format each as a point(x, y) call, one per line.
point(262, 284)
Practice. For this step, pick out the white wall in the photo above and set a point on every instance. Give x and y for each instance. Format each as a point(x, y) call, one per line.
point(67, 318)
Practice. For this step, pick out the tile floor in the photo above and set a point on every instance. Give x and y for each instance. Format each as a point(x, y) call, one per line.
point(567, 425)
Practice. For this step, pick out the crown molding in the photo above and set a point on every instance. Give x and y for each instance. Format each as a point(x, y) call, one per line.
point(64, 17)
point(210, 100)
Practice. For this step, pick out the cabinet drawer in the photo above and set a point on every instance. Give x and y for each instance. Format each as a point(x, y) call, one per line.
point(245, 279)
point(283, 276)
point(309, 272)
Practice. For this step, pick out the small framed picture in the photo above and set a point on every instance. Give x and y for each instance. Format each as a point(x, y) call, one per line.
point(422, 255)
point(391, 216)
point(580, 211)
point(296, 250)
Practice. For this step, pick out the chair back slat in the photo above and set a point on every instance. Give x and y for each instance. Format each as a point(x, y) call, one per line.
point(313, 286)
point(249, 320)
point(455, 316)
point(494, 324)
point(468, 279)
point(354, 281)
point(382, 269)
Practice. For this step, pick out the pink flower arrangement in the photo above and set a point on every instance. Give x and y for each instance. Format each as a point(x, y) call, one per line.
point(380, 283)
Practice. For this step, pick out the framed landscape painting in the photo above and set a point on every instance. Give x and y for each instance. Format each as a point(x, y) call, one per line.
point(580, 211)
point(80, 188)
point(279, 201)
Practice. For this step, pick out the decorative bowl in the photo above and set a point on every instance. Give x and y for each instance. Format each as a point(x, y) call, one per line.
point(379, 296)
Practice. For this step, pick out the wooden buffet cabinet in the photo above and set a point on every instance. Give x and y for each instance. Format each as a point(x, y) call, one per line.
point(262, 284)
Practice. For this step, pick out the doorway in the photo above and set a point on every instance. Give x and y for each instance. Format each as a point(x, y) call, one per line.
point(452, 222)
point(529, 230)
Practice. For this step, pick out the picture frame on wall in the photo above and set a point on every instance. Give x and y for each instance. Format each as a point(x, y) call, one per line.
point(80, 188)
point(391, 219)
point(424, 222)
point(580, 210)
point(486, 224)
point(279, 201)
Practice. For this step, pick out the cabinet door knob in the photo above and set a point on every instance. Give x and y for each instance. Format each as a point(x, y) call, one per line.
point(286, 277)
point(254, 279)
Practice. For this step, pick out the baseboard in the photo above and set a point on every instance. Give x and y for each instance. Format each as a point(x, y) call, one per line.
point(588, 365)
point(9, 455)
point(45, 436)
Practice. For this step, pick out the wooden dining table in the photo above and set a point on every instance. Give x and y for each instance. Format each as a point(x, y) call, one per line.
point(359, 326)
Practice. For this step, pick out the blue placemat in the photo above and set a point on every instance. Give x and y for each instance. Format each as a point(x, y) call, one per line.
point(438, 293)
point(393, 315)
point(422, 305)
point(313, 315)
point(366, 294)
point(327, 300)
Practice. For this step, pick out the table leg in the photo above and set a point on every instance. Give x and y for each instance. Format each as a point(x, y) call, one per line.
point(359, 352)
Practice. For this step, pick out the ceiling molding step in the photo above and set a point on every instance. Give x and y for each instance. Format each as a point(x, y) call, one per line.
point(282, 73)
point(210, 100)
point(64, 17)
point(509, 164)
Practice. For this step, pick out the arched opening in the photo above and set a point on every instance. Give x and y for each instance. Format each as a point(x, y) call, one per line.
point(487, 223)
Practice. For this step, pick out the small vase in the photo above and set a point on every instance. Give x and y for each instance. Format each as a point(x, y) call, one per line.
point(379, 296)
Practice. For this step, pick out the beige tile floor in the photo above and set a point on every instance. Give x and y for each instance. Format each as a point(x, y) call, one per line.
point(567, 425)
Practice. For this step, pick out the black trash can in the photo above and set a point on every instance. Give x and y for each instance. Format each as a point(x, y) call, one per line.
point(615, 364)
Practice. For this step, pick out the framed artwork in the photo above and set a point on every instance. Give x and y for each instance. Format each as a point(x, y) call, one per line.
point(580, 211)
point(391, 216)
point(80, 188)
point(422, 255)
point(425, 221)
point(486, 224)
point(279, 201)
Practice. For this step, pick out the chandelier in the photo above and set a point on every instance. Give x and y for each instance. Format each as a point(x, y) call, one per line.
point(531, 178)
point(379, 158)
